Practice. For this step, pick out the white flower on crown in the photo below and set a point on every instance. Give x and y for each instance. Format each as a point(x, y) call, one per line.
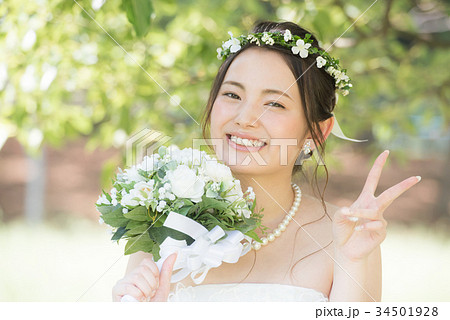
point(219, 53)
point(301, 48)
point(331, 70)
point(287, 35)
point(233, 44)
point(341, 76)
point(267, 39)
point(320, 62)
point(252, 39)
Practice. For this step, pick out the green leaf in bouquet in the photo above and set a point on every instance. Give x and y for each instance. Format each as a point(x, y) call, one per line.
point(119, 233)
point(162, 151)
point(139, 243)
point(153, 205)
point(160, 221)
point(143, 173)
point(184, 210)
point(138, 214)
point(253, 235)
point(211, 194)
point(161, 173)
point(113, 216)
point(107, 195)
point(161, 233)
point(136, 227)
point(172, 165)
point(155, 252)
point(213, 203)
point(105, 209)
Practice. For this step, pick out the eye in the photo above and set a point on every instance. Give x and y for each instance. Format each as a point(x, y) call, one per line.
point(231, 95)
point(275, 104)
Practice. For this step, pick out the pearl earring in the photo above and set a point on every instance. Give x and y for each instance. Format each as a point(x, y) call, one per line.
point(307, 148)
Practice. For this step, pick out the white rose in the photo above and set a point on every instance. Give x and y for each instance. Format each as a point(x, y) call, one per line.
point(128, 201)
point(186, 184)
point(217, 172)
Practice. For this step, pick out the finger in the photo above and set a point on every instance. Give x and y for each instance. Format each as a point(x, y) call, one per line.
point(152, 266)
point(148, 275)
point(389, 195)
point(141, 283)
point(130, 289)
point(354, 214)
point(374, 174)
point(164, 279)
point(372, 226)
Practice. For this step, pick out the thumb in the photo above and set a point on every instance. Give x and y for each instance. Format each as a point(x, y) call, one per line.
point(164, 278)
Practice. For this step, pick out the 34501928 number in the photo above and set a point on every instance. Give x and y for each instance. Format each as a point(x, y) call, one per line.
point(407, 311)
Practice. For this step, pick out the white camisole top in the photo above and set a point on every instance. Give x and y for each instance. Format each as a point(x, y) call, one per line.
point(245, 292)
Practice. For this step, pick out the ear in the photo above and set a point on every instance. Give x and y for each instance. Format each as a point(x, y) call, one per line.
point(326, 126)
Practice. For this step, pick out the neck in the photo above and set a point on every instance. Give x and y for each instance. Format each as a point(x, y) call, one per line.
point(273, 193)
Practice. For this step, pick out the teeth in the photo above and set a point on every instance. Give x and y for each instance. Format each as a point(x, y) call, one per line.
point(246, 142)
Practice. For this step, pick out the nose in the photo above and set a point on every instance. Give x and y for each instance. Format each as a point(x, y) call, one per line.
point(248, 114)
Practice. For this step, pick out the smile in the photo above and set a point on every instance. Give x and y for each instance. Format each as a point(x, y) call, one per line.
point(245, 144)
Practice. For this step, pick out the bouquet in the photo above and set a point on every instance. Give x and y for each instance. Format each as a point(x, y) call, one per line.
point(182, 201)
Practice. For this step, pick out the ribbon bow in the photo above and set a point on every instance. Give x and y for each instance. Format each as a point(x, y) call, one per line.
point(209, 249)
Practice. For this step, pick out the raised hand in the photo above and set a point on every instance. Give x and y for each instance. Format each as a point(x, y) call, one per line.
point(360, 228)
point(145, 282)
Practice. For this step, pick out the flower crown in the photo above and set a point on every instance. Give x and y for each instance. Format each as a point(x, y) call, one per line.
point(298, 46)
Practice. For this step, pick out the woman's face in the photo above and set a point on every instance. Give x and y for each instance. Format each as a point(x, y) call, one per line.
point(258, 99)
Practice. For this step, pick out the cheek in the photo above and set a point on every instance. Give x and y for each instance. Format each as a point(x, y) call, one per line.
point(219, 116)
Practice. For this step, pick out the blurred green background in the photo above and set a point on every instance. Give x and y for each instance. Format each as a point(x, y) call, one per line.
point(78, 78)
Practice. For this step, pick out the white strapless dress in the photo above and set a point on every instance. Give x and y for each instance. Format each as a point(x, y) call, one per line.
point(245, 292)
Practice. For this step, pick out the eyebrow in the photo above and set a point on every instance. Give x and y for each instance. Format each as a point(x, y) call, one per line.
point(266, 91)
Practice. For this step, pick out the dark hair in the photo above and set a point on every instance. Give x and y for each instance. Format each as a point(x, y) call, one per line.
point(316, 87)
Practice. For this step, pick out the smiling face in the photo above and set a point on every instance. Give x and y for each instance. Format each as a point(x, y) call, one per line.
point(253, 102)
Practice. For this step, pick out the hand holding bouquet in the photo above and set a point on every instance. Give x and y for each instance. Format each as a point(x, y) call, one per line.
point(181, 201)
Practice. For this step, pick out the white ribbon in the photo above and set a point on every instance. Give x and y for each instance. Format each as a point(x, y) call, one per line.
point(208, 250)
point(337, 131)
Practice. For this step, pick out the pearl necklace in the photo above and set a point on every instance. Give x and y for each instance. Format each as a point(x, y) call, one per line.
point(282, 226)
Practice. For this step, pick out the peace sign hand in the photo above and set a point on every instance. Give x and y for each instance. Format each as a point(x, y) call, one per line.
point(360, 228)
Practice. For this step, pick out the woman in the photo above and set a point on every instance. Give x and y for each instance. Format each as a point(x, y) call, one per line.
point(272, 102)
